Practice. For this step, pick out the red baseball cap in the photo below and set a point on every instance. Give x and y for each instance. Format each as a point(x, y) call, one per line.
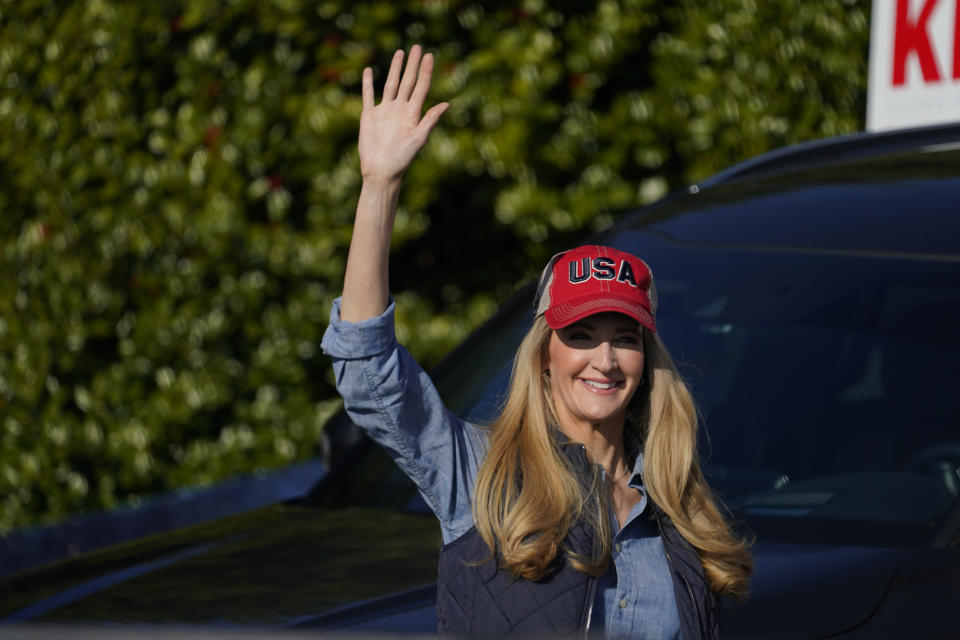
point(592, 279)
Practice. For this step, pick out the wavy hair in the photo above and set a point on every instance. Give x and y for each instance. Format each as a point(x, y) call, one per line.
point(527, 496)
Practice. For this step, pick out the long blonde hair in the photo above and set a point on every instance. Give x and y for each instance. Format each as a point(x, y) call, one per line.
point(527, 496)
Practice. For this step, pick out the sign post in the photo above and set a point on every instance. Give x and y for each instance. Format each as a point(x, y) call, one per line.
point(914, 75)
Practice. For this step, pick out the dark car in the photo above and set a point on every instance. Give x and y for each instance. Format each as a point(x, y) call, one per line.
point(812, 300)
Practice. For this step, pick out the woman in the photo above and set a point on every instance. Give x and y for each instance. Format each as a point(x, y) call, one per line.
point(582, 508)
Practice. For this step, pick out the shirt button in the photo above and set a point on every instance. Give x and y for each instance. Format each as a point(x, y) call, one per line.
point(623, 603)
point(619, 547)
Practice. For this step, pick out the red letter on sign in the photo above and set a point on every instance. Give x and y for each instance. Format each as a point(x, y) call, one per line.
point(913, 37)
point(956, 42)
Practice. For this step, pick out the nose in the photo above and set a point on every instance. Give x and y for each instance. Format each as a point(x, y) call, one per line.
point(605, 357)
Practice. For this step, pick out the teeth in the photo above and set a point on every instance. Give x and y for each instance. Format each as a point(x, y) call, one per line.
point(599, 385)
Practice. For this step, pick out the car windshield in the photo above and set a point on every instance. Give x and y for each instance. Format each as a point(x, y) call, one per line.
point(825, 381)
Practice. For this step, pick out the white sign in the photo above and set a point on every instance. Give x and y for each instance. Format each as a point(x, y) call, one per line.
point(914, 77)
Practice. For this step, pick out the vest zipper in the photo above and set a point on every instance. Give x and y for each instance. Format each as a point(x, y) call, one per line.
point(591, 596)
point(592, 584)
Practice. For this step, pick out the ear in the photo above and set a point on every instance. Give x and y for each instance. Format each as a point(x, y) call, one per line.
point(545, 353)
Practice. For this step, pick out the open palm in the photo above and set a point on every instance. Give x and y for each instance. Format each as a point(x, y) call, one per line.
point(392, 132)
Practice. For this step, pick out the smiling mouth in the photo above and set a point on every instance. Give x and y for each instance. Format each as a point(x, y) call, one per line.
point(602, 386)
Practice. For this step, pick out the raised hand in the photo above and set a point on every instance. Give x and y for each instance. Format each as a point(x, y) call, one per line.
point(393, 132)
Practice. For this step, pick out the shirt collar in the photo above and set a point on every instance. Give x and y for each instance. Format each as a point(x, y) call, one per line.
point(636, 480)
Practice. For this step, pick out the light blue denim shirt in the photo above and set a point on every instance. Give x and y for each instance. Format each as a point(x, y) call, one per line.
point(389, 396)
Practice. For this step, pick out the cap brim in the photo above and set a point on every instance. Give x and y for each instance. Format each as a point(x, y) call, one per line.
point(566, 314)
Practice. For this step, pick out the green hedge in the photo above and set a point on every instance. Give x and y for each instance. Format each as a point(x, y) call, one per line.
point(179, 181)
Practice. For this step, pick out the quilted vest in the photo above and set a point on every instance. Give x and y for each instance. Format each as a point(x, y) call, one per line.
point(475, 598)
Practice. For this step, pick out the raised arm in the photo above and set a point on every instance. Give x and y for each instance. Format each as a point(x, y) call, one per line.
point(391, 135)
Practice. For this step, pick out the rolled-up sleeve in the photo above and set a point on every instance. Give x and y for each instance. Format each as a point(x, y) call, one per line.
point(387, 394)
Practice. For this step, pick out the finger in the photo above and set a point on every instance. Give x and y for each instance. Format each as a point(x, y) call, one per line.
point(393, 76)
point(410, 73)
point(431, 117)
point(367, 88)
point(423, 82)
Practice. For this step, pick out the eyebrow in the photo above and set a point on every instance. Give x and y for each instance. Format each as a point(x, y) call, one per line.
point(629, 330)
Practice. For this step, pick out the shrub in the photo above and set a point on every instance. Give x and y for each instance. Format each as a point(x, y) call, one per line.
point(180, 178)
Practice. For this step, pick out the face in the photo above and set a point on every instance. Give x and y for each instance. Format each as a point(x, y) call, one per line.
point(595, 367)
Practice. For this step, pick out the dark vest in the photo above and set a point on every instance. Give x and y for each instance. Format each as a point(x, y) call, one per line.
point(475, 598)
point(697, 606)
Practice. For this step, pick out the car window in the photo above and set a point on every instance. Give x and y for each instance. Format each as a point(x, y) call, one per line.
point(825, 381)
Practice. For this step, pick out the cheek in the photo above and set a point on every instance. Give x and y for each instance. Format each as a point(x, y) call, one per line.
point(632, 363)
point(560, 357)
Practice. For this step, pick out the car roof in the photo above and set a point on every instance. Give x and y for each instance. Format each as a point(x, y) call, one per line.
point(883, 195)
point(846, 148)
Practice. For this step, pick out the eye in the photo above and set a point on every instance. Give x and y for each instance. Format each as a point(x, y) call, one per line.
point(628, 339)
point(578, 335)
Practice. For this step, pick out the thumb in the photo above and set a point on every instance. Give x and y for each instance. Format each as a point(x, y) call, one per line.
point(431, 117)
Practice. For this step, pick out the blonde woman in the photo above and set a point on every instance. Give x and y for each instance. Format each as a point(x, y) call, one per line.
point(582, 509)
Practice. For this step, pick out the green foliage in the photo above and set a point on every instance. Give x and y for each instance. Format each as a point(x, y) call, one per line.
point(180, 177)
point(736, 78)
